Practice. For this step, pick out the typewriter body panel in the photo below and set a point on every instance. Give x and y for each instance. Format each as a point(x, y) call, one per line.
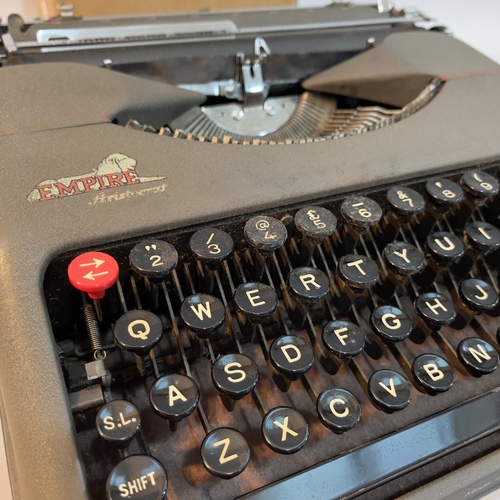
point(73, 123)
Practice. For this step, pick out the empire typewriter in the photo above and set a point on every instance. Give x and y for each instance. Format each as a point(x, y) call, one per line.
point(249, 255)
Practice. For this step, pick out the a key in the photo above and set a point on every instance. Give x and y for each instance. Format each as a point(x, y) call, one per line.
point(234, 376)
point(140, 477)
point(403, 260)
point(390, 323)
point(285, 430)
point(174, 397)
point(118, 422)
point(389, 390)
point(343, 339)
point(433, 373)
point(203, 314)
point(315, 224)
point(354, 274)
point(360, 214)
point(291, 355)
point(225, 452)
point(478, 356)
point(338, 410)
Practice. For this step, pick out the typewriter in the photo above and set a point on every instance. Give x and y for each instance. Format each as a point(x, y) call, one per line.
point(249, 255)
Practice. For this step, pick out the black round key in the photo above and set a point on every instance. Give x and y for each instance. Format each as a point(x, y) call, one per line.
point(444, 193)
point(405, 201)
point(358, 271)
point(445, 247)
point(478, 356)
point(235, 375)
point(309, 284)
point(338, 409)
point(403, 259)
point(480, 184)
point(211, 246)
point(389, 390)
point(435, 309)
point(390, 323)
point(478, 295)
point(153, 259)
point(285, 430)
point(482, 236)
point(118, 421)
point(138, 331)
point(360, 213)
point(140, 477)
point(264, 233)
point(433, 373)
point(343, 338)
point(256, 301)
point(291, 355)
point(315, 222)
point(174, 396)
point(225, 452)
point(203, 314)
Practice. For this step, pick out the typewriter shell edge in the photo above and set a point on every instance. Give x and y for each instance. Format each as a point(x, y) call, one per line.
point(440, 137)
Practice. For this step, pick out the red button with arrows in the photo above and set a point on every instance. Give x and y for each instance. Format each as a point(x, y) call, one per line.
point(93, 272)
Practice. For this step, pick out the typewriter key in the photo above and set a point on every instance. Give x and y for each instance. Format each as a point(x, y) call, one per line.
point(480, 185)
point(285, 430)
point(265, 234)
point(118, 421)
point(433, 373)
point(153, 259)
point(478, 356)
point(316, 223)
point(291, 355)
point(360, 213)
point(405, 202)
point(478, 295)
point(403, 259)
point(390, 323)
point(445, 247)
point(435, 309)
point(140, 477)
point(211, 246)
point(343, 338)
point(138, 331)
point(309, 284)
point(203, 314)
point(358, 271)
point(235, 375)
point(255, 301)
point(482, 237)
point(338, 409)
point(444, 193)
point(389, 390)
point(174, 396)
point(225, 452)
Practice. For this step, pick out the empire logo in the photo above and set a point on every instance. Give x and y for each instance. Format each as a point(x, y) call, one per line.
point(116, 170)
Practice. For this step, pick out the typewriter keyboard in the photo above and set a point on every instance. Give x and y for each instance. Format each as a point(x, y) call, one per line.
point(318, 349)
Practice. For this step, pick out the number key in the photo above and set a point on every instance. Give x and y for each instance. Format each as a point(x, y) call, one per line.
point(265, 234)
point(153, 259)
point(480, 185)
point(211, 246)
point(361, 213)
point(444, 193)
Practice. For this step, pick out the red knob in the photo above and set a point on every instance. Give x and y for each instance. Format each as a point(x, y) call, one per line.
point(93, 272)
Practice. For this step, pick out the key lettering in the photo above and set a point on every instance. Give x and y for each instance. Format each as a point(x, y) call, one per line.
point(308, 279)
point(253, 296)
point(295, 349)
point(200, 309)
point(174, 394)
point(391, 389)
point(403, 255)
point(394, 324)
point(338, 414)
point(284, 427)
point(229, 369)
point(223, 459)
point(339, 336)
point(433, 371)
point(483, 295)
point(478, 355)
point(434, 307)
point(358, 266)
point(449, 244)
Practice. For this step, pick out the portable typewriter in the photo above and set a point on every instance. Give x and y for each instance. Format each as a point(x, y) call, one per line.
point(249, 255)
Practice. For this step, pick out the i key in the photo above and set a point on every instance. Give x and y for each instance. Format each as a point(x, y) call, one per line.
point(234, 376)
point(355, 273)
point(174, 397)
point(444, 249)
point(315, 224)
point(403, 203)
point(265, 235)
point(140, 477)
point(203, 314)
point(480, 188)
point(403, 260)
point(360, 214)
point(118, 422)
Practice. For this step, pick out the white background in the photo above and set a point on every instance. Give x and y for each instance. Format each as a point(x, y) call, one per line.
point(475, 22)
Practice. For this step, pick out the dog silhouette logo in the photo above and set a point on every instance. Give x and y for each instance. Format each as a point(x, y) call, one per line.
point(116, 170)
